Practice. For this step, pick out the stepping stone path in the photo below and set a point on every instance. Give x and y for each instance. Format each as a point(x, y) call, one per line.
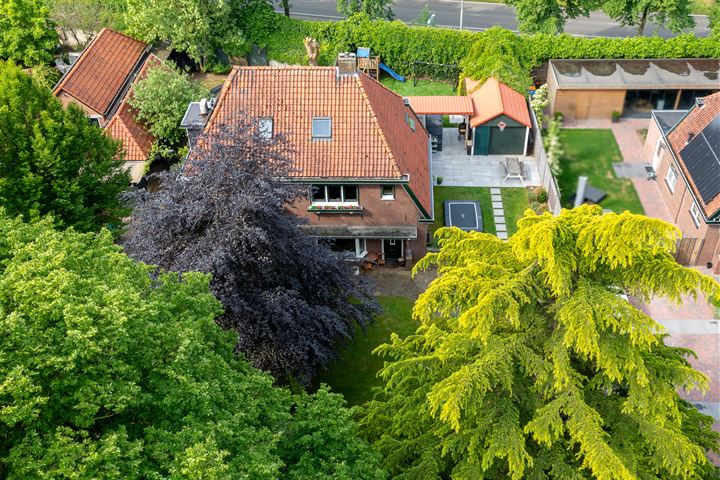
point(498, 213)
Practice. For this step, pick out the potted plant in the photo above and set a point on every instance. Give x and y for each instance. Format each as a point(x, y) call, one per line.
point(439, 180)
point(615, 118)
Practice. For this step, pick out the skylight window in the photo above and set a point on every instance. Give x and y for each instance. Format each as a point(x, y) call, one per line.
point(265, 127)
point(322, 127)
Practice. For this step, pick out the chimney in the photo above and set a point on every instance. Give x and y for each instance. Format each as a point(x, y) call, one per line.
point(346, 64)
point(203, 107)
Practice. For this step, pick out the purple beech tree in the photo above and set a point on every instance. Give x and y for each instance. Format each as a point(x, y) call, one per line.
point(290, 299)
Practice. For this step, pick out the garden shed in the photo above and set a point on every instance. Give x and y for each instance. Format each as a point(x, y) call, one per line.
point(501, 122)
point(581, 89)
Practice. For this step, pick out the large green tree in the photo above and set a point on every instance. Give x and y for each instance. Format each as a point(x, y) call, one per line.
point(87, 16)
point(26, 35)
point(528, 363)
point(161, 99)
point(111, 370)
point(502, 54)
point(375, 9)
point(548, 16)
point(673, 14)
point(52, 161)
point(196, 27)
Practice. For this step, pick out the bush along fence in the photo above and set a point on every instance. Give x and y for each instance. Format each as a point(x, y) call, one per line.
point(496, 51)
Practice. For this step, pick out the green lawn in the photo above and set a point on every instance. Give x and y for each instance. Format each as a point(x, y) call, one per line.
point(591, 152)
point(481, 194)
point(423, 88)
point(354, 373)
point(515, 202)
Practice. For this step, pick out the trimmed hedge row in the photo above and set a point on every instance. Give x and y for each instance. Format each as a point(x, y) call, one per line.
point(399, 45)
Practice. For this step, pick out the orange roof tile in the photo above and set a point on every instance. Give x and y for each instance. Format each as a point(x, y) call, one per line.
point(442, 105)
point(494, 98)
point(99, 74)
point(694, 122)
point(371, 137)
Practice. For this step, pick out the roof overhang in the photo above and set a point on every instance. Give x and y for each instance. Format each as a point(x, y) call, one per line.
point(441, 105)
point(352, 231)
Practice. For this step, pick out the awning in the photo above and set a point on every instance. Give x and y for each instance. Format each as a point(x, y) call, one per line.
point(441, 105)
point(350, 231)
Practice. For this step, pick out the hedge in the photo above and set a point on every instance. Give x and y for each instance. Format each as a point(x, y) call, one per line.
point(479, 53)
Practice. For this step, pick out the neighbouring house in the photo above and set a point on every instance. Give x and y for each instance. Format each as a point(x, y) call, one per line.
point(582, 89)
point(495, 119)
point(683, 147)
point(100, 81)
point(360, 150)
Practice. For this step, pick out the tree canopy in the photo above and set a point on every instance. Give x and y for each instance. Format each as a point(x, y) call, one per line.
point(26, 35)
point(375, 9)
point(548, 16)
point(528, 363)
point(88, 16)
point(52, 161)
point(161, 99)
point(673, 14)
point(112, 370)
point(499, 53)
point(290, 299)
point(196, 27)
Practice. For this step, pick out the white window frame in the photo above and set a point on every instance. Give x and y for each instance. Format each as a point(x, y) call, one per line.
point(97, 118)
point(266, 127)
point(322, 136)
point(360, 247)
point(383, 196)
point(659, 149)
point(671, 178)
point(342, 201)
point(695, 214)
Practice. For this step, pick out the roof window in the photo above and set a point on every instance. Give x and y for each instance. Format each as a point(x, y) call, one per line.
point(322, 127)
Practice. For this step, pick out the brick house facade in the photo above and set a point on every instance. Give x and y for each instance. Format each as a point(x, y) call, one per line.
point(358, 147)
point(683, 146)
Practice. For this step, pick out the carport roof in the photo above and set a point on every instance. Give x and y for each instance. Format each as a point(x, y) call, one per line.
point(634, 74)
point(441, 105)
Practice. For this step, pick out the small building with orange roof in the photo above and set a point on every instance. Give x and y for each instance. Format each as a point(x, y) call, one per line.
point(101, 81)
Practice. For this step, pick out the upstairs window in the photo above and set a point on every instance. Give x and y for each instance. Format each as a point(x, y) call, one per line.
point(321, 127)
point(265, 127)
point(695, 214)
point(387, 192)
point(410, 121)
point(671, 178)
point(334, 194)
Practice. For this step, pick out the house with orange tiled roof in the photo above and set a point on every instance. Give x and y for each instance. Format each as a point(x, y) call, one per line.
point(101, 81)
point(358, 147)
point(683, 147)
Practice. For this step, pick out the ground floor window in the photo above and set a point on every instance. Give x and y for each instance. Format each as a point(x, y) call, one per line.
point(695, 214)
point(357, 246)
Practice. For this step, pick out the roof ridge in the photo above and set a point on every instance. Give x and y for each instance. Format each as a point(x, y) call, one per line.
point(221, 96)
point(377, 123)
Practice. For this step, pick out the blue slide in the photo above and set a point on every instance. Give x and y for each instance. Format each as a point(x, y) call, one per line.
point(392, 73)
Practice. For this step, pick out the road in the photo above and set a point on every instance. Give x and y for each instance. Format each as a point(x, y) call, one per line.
point(480, 15)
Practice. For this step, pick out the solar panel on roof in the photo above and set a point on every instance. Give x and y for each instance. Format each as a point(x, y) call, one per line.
point(702, 159)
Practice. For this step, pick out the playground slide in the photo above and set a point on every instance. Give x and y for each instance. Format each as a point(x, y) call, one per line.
point(392, 72)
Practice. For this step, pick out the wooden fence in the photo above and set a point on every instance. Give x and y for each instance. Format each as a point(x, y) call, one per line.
point(687, 250)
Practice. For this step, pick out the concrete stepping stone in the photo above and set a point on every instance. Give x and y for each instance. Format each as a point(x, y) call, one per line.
point(500, 227)
point(498, 212)
point(497, 205)
point(496, 198)
point(495, 191)
point(502, 235)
